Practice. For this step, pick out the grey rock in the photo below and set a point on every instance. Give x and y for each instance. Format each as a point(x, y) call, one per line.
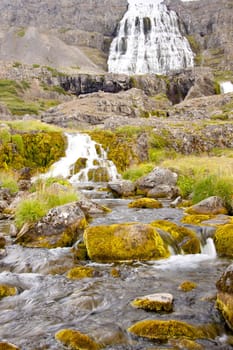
point(122, 188)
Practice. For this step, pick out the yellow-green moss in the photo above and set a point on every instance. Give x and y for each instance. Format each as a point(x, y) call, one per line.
point(99, 174)
point(76, 340)
point(115, 273)
point(80, 164)
point(223, 240)
point(6, 291)
point(80, 272)
point(134, 241)
point(224, 303)
point(145, 203)
point(187, 286)
point(186, 344)
point(196, 219)
point(8, 346)
point(119, 147)
point(163, 330)
point(80, 251)
point(184, 237)
point(35, 150)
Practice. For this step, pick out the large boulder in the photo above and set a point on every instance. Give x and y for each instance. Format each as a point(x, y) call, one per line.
point(159, 183)
point(119, 242)
point(212, 205)
point(224, 300)
point(59, 228)
point(122, 188)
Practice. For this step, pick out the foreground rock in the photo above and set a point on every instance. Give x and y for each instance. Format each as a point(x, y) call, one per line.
point(155, 302)
point(119, 242)
point(76, 340)
point(224, 300)
point(164, 330)
point(159, 183)
point(8, 346)
point(59, 228)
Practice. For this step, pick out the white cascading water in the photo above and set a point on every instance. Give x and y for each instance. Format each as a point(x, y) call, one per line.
point(82, 146)
point(149, 41)
point(226, 87)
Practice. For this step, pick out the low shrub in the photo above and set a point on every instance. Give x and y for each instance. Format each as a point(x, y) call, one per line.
point(9, 180)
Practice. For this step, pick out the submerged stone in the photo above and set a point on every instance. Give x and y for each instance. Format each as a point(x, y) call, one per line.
point(187, 286)
point(119, 242)
point(76, 340)
point(6, 291)
point(80, 272)
point(154, 302)
point(149, 203)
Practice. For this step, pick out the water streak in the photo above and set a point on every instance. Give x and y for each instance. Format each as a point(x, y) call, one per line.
point(226, 87)
point(149, 41)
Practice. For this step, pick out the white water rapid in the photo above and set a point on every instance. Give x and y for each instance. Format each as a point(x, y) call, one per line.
point(95, 162)
point(226, 87)
point(149, 41)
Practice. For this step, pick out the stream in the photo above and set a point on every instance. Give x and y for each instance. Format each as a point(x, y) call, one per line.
point(47, 301)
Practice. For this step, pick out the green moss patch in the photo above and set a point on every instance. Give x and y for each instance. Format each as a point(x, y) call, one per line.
point(223, 240)
point(145, 203)
point(80, 272)
point(6, 291)
point(187, 286)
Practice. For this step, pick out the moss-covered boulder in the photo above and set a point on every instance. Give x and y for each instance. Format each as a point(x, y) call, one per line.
point(154, 302)
point(223, 240)
point(122, 188)
point(7, 291)
point(80, 272)
point(182, 238)
point(210, 206)
point(76, 340)
point(164, 330)
point(119, 242)
point(224, 301)
point(187, 286)
point(8, 346)
point(61, 227)
point(2, 242)
point(149, 203)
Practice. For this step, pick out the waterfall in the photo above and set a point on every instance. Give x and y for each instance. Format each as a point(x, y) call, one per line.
point(226, 87)
point(84, 161)
point(149, 41)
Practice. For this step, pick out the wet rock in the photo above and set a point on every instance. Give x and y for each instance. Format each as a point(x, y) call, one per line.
point(2, 242)
point(224, 300)
point(59, 228)
point(76, 340)
point(145, 203)
point(91, 208)
point(164, 330)
point(159, 183)
point(122, 188)
point(212, 205)
point(223, 240)
point(155, 302)
point(8, 346)
point(119, 242)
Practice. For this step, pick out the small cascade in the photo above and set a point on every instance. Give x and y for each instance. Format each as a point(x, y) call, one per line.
point(226, 87)
point(84, 161)
point(149, 41)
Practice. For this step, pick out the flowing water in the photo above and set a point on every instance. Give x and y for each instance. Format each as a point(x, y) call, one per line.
point(149, 41)
point(48, 301)
point(226, 87)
